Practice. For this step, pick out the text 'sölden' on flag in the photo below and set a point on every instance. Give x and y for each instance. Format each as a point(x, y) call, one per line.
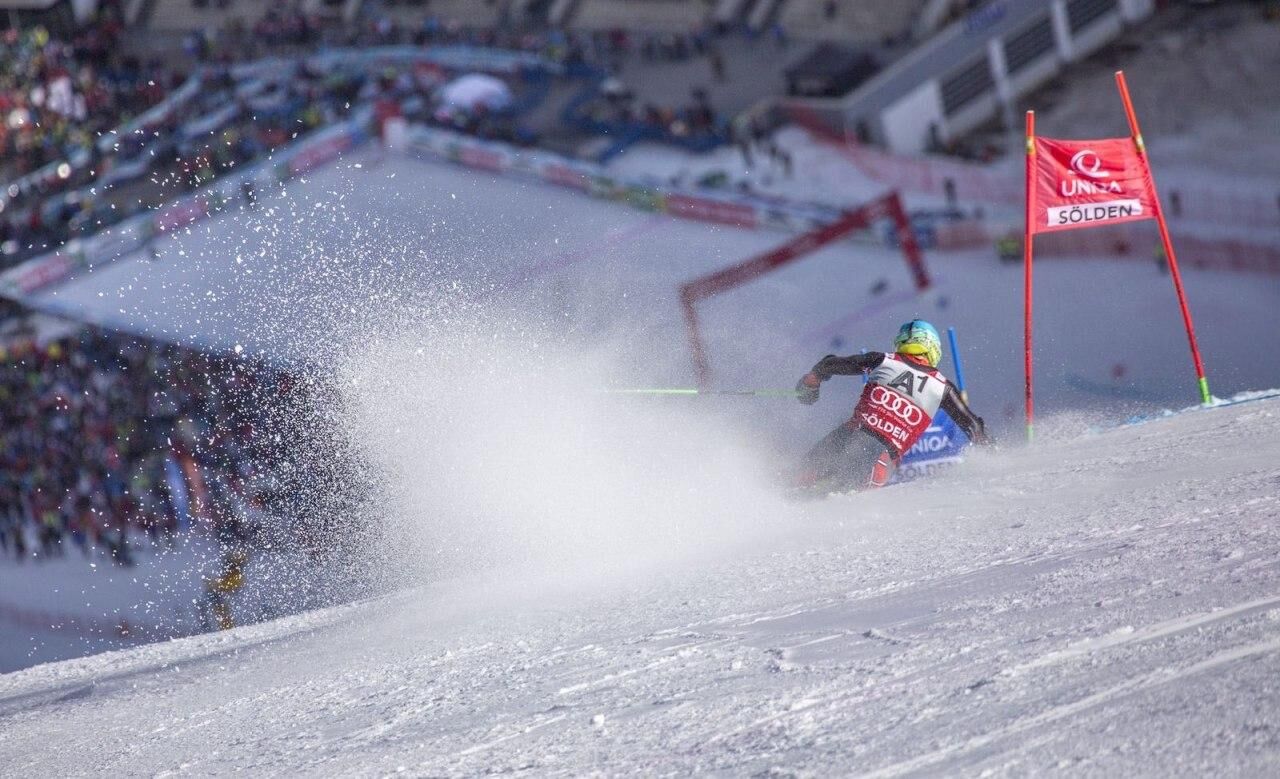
point(1090, 183)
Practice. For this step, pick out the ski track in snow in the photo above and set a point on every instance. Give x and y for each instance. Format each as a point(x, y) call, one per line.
point(1108, 605)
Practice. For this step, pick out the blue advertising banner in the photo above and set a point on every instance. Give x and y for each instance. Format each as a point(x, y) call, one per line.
point(941, 445)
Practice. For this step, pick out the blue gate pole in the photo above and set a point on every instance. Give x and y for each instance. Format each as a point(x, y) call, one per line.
point(955, 360)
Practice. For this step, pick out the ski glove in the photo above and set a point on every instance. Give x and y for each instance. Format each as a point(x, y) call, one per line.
point(807, 389)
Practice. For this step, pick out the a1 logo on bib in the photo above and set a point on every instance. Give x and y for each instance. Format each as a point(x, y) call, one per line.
point(904, 382)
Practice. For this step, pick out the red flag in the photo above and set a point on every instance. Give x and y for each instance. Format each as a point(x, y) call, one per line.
point(1090, 183)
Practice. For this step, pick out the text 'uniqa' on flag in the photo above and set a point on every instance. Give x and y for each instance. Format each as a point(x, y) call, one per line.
point(1090, 183)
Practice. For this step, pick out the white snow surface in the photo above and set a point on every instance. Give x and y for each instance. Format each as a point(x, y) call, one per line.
point(1106, 604)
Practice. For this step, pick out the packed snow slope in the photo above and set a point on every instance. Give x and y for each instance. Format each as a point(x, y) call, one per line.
point(1107, 604)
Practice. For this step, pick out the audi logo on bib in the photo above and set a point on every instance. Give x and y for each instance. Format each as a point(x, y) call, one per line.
point(894, 418)
point(908, 412)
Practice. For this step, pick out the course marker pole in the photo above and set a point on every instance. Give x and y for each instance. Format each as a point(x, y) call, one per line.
point(955, 360)
point(1027, 252)
point(1202, 382)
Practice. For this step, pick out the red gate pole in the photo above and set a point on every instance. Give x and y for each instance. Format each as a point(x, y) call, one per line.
point(907, 240)
point(1027, 252)
point(1201, 380)
point(701, 372)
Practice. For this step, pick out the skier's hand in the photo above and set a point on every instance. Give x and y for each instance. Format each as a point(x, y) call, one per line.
point(807, 388)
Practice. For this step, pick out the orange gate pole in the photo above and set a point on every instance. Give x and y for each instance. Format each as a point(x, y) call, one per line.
point(1201, 380)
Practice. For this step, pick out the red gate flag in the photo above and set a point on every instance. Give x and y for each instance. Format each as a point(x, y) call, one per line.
point(1074, 184)
point(1090, 183)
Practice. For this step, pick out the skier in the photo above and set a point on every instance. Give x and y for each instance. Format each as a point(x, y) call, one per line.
point(903, 393)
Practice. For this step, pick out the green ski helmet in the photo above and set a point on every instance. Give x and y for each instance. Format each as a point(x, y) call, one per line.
point(920, 339)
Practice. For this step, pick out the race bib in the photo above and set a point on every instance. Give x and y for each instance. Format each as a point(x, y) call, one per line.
point(899, 402)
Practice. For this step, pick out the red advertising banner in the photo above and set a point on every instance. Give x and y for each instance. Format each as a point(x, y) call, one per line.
point(482, 158)
point(708, 210)
point(180, 214)
point(38, 274)
point(1090, 183)
point(565, 176)
point(323, 151)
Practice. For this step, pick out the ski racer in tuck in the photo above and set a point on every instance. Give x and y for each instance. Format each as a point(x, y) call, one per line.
point(904, 391)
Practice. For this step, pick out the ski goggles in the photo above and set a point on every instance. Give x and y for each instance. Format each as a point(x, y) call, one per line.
point(932, 355)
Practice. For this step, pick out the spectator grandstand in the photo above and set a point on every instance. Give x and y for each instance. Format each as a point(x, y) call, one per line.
point(873, 21)
point(57, 93)
point(58, 98)
point(866, 21)
point(68, 174)
point(106, 440)
point(188, 15)
point(660, 15)
point(97, 177)
point(468, 13)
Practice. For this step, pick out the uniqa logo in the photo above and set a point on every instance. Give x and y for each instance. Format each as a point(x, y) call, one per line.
point(1072, 187)
point(931, 444)
point(1087, 163)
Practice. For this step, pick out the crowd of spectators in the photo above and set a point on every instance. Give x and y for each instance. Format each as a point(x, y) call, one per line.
point(96, 429)
point(224, 124)
point(278, 30)
point(588, 55)
point(56, 95)
point(597, 56)
point(56, 99)
point(64, 97)
point(614, 110)
point(60, 98)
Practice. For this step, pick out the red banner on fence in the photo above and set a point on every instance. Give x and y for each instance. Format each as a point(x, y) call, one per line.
point(708, 210)
point(1089, 183)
